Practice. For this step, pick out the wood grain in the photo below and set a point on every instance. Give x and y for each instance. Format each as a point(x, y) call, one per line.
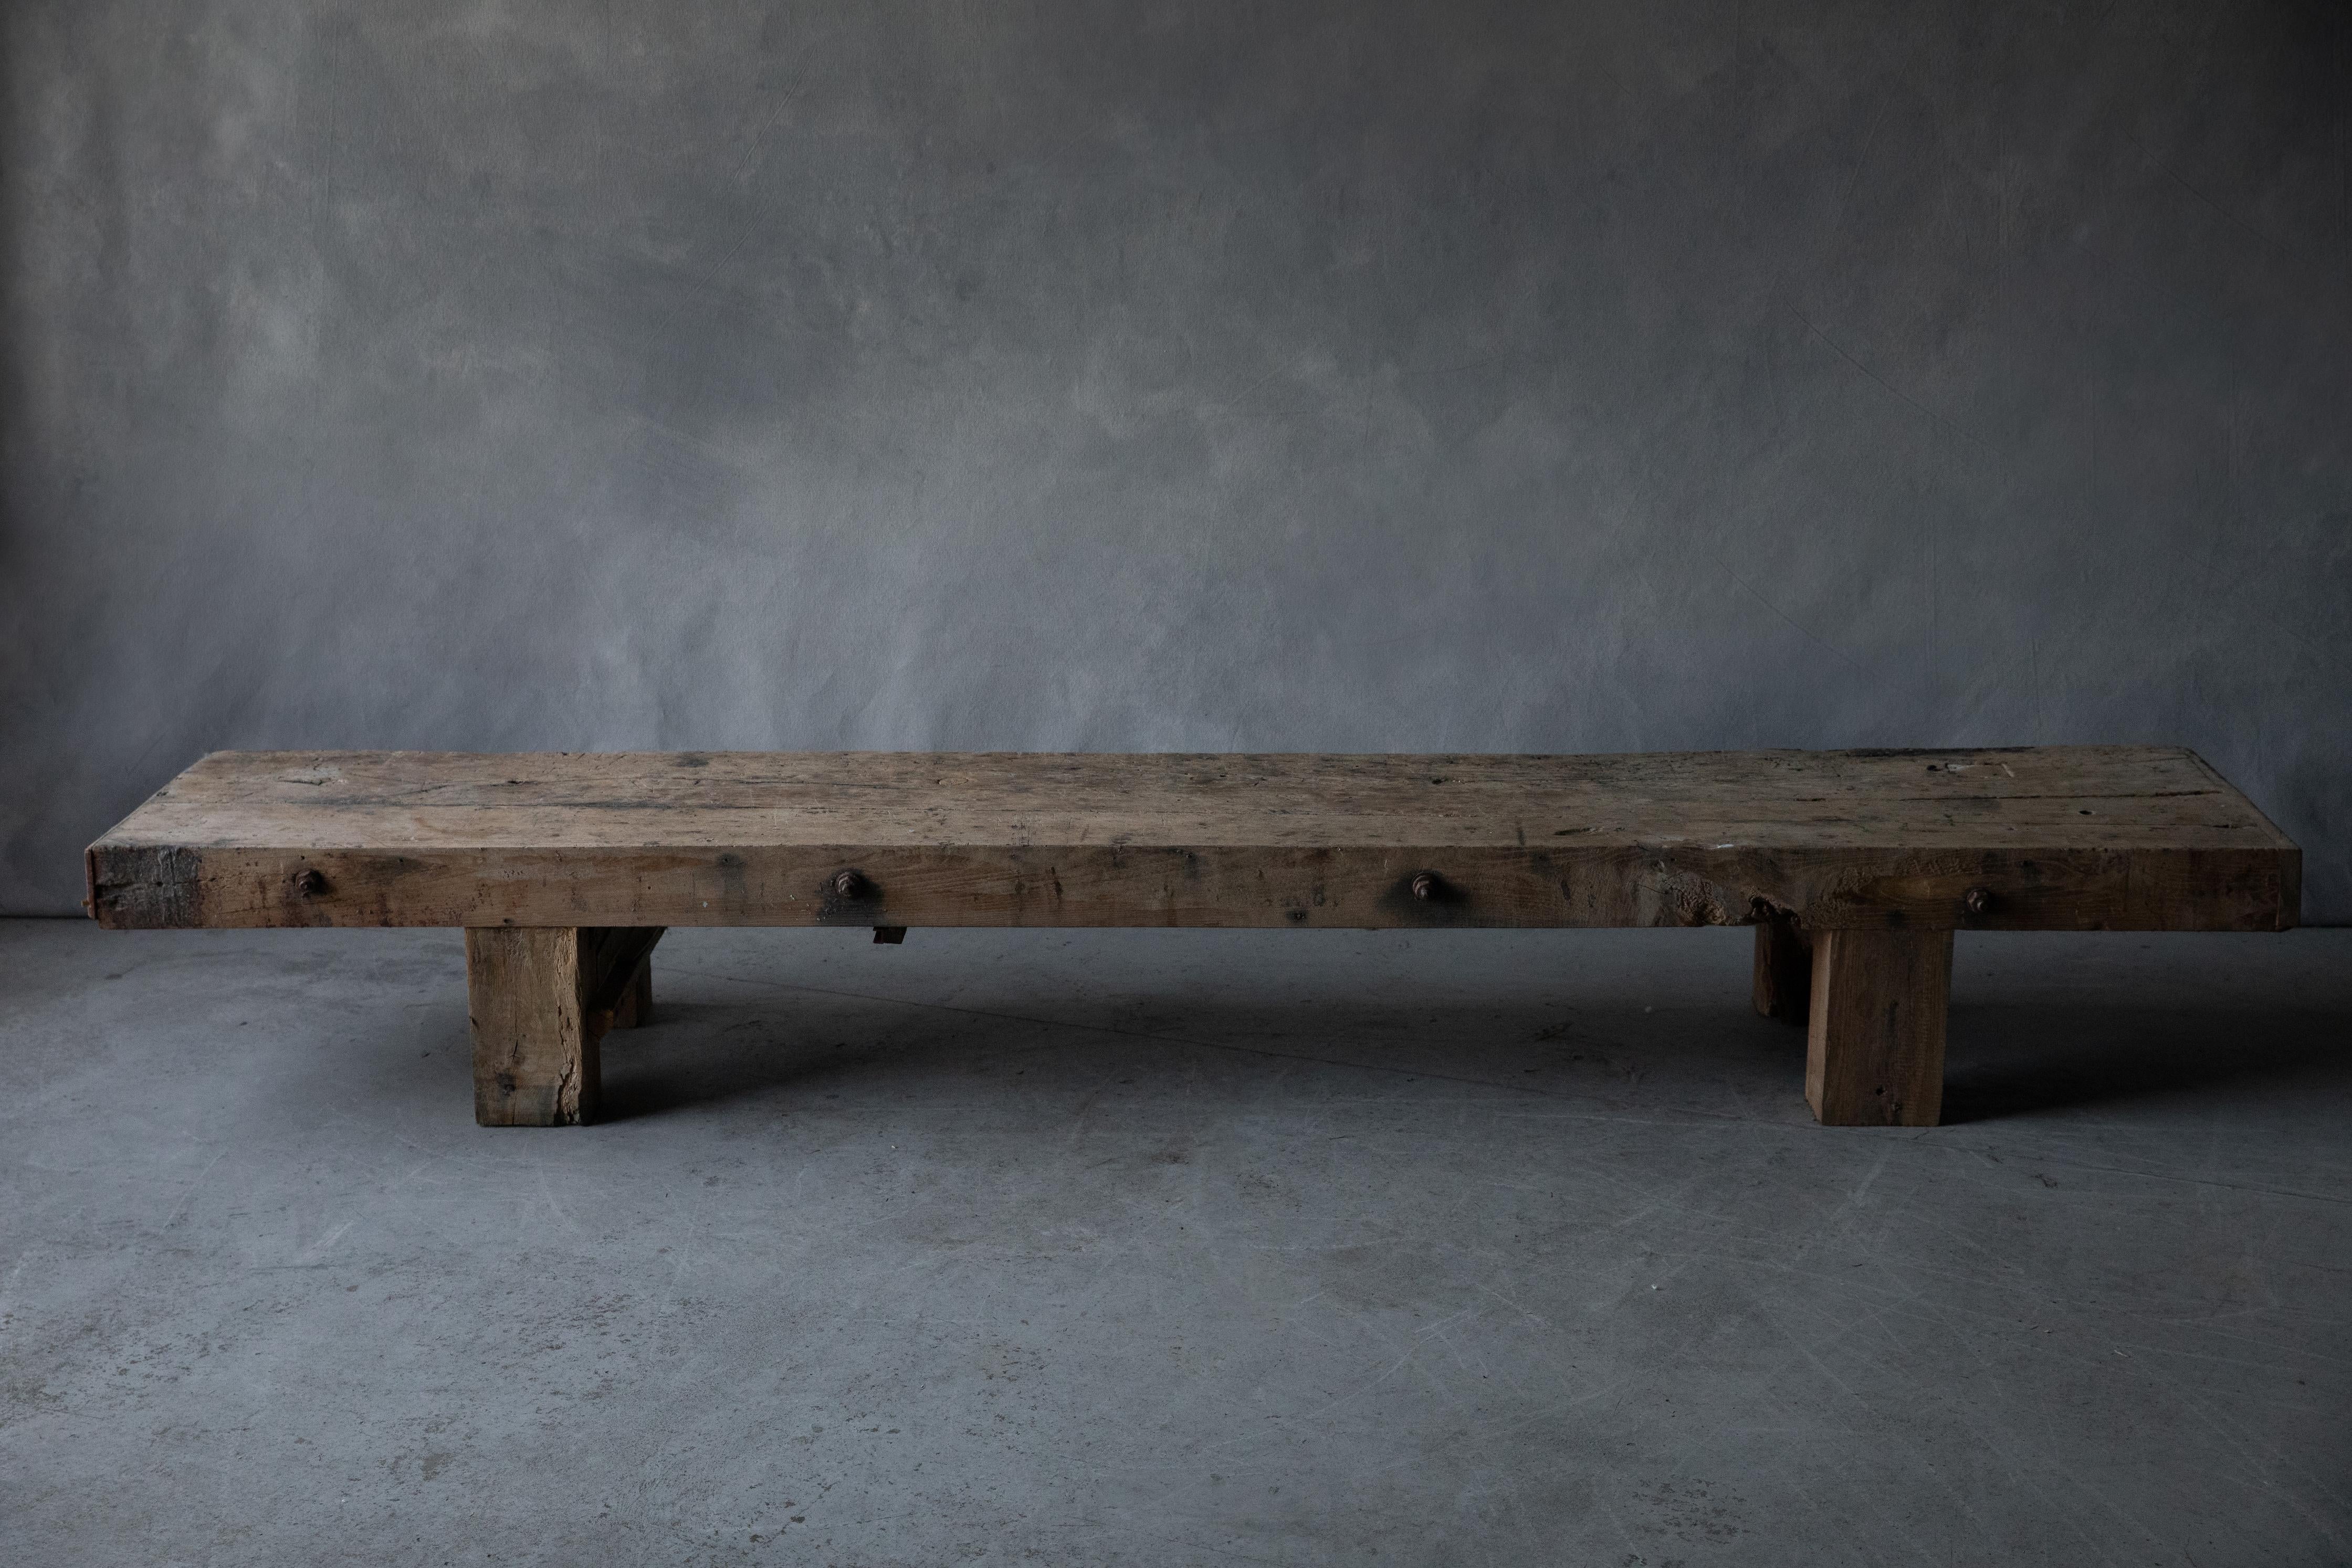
point(2078, 838)
point(1875, 1043)
point(540, 1000)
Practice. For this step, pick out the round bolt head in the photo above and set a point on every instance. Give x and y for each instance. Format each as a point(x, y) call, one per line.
point(847, 884)
point(1424, 886)
point(1978, 901)
point(309, 881)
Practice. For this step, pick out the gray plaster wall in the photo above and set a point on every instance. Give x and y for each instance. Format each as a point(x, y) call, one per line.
point(1352, 375)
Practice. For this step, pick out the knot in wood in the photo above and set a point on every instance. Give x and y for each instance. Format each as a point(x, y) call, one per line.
point(1424, 886)
point(1978, 900)
point(848, 884)
point(309, 882)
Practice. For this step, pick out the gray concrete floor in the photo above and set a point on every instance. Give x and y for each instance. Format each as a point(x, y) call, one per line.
point(1172, 1248)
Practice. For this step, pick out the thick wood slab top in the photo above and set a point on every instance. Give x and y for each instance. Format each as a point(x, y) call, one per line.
point(2065, 837)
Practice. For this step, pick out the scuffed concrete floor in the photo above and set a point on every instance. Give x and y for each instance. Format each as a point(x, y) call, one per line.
point(1172, 1248)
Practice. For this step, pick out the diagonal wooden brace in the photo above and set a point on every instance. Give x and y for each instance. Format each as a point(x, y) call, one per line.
point(540, 999)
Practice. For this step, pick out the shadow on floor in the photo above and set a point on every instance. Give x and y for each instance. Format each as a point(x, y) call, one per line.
point(700, 1053)
point(2004, 1061)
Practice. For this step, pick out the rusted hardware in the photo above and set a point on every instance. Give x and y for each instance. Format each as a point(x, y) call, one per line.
point(1425, 885)
point(309, 882)
point(848, 884)
point(1978, 900)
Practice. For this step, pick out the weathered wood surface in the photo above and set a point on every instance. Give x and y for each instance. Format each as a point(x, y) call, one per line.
point(1874, 1045)
point(2081, 837)
point(540, 1000)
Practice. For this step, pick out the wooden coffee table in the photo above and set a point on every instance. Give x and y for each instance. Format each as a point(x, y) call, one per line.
point(1856, 867)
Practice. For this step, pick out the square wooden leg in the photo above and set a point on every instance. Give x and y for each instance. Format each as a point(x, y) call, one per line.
point(539, 999)
point(1875, 1043)
point(1784, 971)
